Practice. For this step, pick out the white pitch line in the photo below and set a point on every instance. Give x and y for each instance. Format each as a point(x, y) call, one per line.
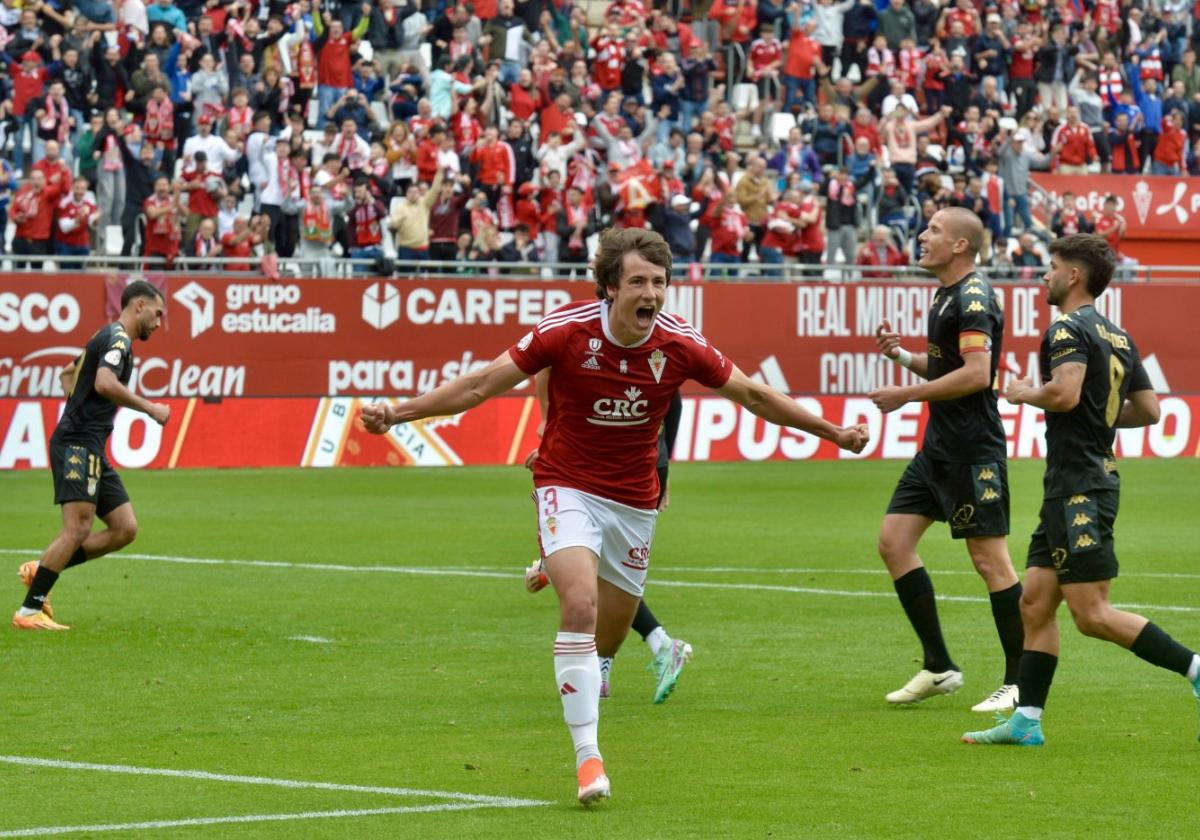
point(47, 831)
point(478, 799)
point(483, 573)
point(316, 640)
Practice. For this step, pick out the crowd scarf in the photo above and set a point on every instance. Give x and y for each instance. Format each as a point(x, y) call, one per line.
point(57, 119)
point(112, 155)
point(378, 167)
point(305, 184)
point(288, 182)
point(840, 192)
point(212, 111)
point(25, 206)
point(305, 62)
point(316, 225)
point(575, 215)
point(631, 151)
point(241, 119)
point(203, 247)
point(504, 207)
point(160, 120)
point(482, 217)
point(286, 91)
point(461, 49)
point(366, 224)
point(795, 157)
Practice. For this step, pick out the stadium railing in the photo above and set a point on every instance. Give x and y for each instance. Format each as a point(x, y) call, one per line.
point(344, 268)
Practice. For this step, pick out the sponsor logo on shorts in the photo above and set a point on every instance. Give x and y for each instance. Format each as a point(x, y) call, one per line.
point(1084, 541)
point(73, 476)
point(989, 495)
point(986, 474)
point(963, 517)
point(1058, 557)
point(638, 558)
point(1081, 519)
point(1078, 499)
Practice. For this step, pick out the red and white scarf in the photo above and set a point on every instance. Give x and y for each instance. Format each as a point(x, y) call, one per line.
point(316, 225)
point(241, 119)
point(204, 247)
point(366, 224)
point(160, 121)
point(57, 119)
point(305, 62)
point(289, 184)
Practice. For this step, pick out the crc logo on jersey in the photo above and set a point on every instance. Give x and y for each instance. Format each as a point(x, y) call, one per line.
point(199, 301)
point(638, 558)
point(630, 411)
point(381, 305)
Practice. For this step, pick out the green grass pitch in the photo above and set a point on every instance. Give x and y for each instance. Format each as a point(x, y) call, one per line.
point(416, 681)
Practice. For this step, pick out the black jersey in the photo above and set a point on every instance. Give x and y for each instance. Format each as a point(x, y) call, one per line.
point(966, 430)
point(88, 417)
point(1079, 442)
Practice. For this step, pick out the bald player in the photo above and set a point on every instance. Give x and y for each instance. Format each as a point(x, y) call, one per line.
point(960, 475)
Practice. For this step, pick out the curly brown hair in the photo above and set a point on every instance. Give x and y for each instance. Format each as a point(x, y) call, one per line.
point(615, 243)
point(1093, 254)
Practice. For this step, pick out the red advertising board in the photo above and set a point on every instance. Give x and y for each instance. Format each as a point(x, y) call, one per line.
point(315, 338)
point(1154, 206)
point(265, 432)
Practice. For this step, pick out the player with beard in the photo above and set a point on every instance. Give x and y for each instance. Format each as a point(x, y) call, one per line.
point(85, 483)
point(615, 363)
point(961, 473)
point(1094, 384)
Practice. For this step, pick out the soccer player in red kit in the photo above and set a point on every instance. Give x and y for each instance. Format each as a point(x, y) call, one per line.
point(615, 364)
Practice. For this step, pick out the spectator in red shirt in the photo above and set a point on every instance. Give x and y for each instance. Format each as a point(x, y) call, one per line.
point(163, 215)
point(1073, 145)
point(881, 251)
point(33, 213)
point(77, 219)
point(58, 174)
point(803, 61)
point(29, 80)
point(1171, 149)
point(335, 72)
point(238, 243)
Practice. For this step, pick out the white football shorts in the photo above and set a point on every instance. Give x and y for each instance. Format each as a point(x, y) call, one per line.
point(618, 534)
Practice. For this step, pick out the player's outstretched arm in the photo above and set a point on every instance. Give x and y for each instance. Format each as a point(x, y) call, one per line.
point(974, 375)
point(888, 342)
point(108, 386)
point(454, 397)
point(1140, 409)
point(1060, 394)
point(780, 409)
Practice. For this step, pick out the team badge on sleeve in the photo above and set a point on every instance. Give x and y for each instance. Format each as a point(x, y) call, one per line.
point(113, 357)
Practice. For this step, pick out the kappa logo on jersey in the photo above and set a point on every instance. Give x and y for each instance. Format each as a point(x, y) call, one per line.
point(73, 476)
point(199, 302)
point(1078, 499)
point(1060, 335)
point(975, 306)
point(986, 474)
point(975, 290)
point(74, 459)
point(1081, 519)
point(120, 344)
point(630, 411)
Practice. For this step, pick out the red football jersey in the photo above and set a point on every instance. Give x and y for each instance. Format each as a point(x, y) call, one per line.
point(607, 401)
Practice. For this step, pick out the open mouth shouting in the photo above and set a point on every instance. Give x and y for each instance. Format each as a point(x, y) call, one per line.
point(643, 316)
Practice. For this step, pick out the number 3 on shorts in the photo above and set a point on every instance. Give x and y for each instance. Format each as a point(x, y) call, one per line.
point(550, 501)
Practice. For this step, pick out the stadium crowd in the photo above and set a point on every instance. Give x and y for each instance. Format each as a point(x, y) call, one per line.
point(514, 130)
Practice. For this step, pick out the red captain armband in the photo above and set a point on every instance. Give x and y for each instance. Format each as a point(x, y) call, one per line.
point(974, 342)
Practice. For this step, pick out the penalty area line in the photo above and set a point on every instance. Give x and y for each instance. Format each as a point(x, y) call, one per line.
point(485, 573)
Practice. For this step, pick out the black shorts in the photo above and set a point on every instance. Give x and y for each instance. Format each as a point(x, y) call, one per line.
point(82, 473)
point(1074, 536)
point(973, 498)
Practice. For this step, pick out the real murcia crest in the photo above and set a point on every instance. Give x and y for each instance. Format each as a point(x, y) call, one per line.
point(658, 363)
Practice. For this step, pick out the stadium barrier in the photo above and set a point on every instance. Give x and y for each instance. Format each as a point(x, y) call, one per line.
point(271, 373)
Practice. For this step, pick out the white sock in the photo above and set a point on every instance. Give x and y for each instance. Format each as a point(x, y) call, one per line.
point(657, 638)
point(1194, 668)
point(26, 611)
point(577, 672)
point(1030, 712)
